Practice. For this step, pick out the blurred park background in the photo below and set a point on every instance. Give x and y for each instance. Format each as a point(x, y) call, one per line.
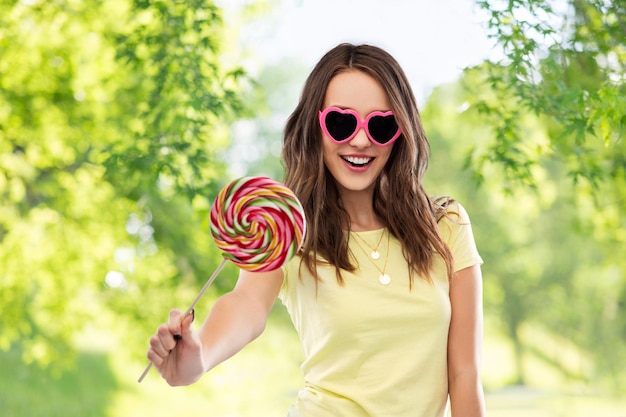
point(120, 120)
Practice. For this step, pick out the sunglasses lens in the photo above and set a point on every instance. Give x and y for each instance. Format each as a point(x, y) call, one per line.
point(340, 125)
point(382, 128)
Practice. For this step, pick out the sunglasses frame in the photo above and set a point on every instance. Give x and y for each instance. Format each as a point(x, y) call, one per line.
point(360, 124)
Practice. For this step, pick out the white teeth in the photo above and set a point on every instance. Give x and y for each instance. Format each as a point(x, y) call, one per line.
point(357, 161)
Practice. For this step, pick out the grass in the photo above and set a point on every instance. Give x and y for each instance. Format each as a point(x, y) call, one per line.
point(261, 381)
point(29, 391)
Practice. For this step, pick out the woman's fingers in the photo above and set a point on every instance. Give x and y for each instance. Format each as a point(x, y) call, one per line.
point(167, 336)
point(175, 323)
point(161, 343)
point(179, 325)
point(154, 358)
point(166, 339)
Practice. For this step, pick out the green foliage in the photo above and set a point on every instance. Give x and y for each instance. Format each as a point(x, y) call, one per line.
point(170, 52)
point(549, 263)
point(562, 71)
point(566, 66)
point(112, 115)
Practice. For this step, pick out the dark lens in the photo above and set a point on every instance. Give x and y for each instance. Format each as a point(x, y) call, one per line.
point(340, 125)
point(382, 128)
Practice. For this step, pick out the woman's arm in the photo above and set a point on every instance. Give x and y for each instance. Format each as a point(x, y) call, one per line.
point(239, 317)
point(236, 319)
point(465, 344)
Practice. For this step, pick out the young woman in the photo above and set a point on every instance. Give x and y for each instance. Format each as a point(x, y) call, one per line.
point(386, 293)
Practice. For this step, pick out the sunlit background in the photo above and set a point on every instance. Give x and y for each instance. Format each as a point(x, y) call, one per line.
point(433, 41)
point(120, 121)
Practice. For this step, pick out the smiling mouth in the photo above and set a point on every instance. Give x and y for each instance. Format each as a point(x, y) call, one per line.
point(357, 161)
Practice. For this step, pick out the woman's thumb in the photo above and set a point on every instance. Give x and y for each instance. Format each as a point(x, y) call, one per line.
point(186, 323)
point(180, 324)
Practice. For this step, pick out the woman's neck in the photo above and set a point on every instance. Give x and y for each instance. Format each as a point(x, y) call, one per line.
point(360, 208)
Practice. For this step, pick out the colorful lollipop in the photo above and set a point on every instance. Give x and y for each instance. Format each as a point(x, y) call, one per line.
point(259, 225)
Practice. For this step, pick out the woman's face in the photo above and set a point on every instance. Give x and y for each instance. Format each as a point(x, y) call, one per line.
point(355, 164)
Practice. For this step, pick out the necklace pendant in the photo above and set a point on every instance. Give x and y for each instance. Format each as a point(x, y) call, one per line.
point(384, 279)
point(375, 254)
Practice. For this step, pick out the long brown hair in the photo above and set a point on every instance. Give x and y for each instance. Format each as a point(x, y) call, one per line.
point(400, 200)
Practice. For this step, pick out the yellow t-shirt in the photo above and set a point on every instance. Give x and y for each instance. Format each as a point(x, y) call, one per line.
point(371, 349)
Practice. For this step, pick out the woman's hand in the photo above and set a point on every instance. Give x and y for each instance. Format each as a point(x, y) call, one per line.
point(238, 317)
point(176, 350)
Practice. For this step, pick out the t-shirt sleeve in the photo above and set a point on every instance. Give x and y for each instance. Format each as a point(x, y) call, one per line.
point(290, 272)
point(456, 231)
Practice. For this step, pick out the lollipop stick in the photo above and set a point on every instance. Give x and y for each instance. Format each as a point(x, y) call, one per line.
point(191, 307)
point(206, 287)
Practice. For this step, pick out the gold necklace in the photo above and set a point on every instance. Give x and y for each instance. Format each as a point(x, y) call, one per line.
point(374, 251)
point(383, 278)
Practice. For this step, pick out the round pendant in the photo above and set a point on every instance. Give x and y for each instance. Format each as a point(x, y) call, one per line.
point(375, 255)
point(384, 279)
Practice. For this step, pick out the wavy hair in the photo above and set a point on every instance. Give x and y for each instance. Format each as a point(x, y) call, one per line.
point(400, 200)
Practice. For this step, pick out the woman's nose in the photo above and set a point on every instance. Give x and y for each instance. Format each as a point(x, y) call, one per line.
point(360, 140)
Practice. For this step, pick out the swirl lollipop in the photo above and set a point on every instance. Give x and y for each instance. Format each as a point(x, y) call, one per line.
point(258, 224)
